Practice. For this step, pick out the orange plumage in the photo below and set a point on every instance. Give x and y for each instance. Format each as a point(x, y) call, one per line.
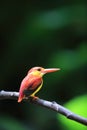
point(33, 82)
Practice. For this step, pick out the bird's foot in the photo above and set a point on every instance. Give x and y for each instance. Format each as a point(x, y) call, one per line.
point(32, 97)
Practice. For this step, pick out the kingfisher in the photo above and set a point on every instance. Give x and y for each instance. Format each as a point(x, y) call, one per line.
point(33, 82)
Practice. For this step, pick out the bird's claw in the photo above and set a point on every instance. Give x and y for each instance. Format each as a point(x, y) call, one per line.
point(33, 97)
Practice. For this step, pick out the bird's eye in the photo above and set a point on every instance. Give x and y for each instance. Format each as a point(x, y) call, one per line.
point(39, 69)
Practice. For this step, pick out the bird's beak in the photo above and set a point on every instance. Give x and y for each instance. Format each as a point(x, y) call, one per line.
point(50, 70)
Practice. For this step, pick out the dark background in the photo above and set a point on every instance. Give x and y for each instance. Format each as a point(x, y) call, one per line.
point(47, 34)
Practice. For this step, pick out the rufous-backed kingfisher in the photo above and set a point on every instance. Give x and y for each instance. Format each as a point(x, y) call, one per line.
point(33, 82)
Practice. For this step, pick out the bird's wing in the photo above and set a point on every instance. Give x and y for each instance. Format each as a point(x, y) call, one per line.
point(31, 83)
point(28, 85)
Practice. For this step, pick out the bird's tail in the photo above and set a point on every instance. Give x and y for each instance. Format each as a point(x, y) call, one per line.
point(21, 96)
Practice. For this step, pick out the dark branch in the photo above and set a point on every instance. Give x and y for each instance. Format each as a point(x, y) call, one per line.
point(51, 105)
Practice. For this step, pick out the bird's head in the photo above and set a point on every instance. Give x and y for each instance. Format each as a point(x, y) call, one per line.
point(39, 71)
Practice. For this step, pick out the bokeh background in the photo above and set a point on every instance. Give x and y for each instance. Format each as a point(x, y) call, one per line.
point(47, 34)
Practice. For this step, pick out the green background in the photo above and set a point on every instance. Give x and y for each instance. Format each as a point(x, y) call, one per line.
point(47, 34)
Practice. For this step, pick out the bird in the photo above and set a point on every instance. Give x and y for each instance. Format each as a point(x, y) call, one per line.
point(33, 82)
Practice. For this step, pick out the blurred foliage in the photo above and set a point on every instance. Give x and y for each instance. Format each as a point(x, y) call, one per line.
point(77, 105)
point(8, 123)
point(47, 34)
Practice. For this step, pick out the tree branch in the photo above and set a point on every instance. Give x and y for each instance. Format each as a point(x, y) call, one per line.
point(47, 104)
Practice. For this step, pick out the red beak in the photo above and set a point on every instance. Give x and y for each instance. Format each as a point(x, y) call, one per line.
point(50, 70)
